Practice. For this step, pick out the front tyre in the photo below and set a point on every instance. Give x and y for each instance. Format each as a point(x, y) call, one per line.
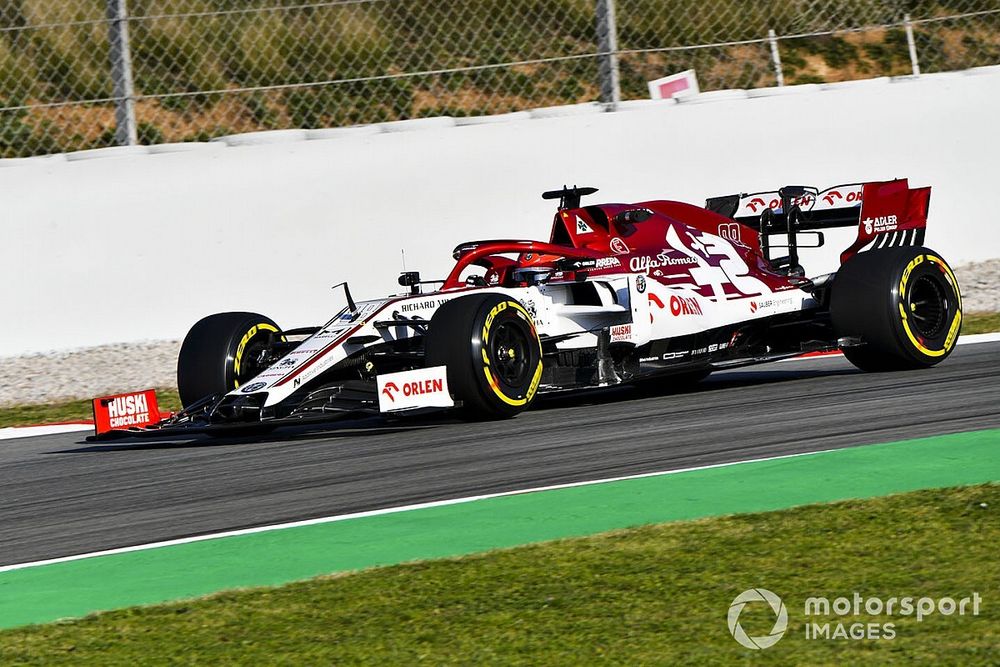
point(493, 354)
point(903, 303)
point(221, 352)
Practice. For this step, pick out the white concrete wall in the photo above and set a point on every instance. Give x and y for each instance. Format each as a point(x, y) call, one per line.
point(139, 246)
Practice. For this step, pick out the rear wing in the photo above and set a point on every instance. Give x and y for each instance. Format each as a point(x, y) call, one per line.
point(886, 213)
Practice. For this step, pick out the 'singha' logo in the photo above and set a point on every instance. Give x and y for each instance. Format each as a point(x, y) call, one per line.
point(777, 606)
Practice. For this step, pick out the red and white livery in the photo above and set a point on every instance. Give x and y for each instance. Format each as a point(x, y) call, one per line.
point(658, 291)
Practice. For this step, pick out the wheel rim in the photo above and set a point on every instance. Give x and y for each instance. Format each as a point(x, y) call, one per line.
point(509, 354)
point(927, 305)
point(253, 356)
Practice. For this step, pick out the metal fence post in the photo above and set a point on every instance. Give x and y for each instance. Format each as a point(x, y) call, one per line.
point(911, 44)
point(121, 74)
point(607, 44)
point(776, 57)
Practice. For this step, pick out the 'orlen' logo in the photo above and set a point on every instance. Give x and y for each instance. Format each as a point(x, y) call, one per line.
point(753, 306)
point(618, 246)
point(654, 300)
point(684, 305)
point(415, 388)
point(389, 389)
point(756, 203)
point(418, 388)
point(833, 196)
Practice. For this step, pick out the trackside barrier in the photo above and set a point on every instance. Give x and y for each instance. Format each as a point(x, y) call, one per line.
point(136, 244)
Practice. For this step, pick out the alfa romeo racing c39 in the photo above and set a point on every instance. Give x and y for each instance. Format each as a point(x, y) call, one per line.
point(658, 291)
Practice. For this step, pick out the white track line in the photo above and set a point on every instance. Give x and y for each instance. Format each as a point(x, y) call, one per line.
point(13, 432)
point(389, 510)
point(979, 338)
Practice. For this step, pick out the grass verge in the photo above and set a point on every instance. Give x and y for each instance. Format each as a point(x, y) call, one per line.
point(976, 323)
point(69, 411)
point(655, 594)
point(50, 413)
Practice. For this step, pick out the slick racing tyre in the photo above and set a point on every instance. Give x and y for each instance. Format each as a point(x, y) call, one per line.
point(221, 352)
point(492, 351)
point(903, 303)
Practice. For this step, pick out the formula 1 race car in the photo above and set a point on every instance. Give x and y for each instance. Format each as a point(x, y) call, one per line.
point(653, 291)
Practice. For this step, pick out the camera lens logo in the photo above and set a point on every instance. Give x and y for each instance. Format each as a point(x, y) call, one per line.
point(777, 606)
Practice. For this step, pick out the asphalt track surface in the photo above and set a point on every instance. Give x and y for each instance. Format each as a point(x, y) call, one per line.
point(62, 496)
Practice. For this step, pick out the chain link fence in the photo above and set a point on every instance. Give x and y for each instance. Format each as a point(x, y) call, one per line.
point(79, 74)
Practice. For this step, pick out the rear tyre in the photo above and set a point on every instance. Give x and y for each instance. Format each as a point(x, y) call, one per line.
point(903, 303)
point(491, 349)
point(221, 352)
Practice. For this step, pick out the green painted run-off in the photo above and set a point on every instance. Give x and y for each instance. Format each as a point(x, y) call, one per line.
point(75, 588)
